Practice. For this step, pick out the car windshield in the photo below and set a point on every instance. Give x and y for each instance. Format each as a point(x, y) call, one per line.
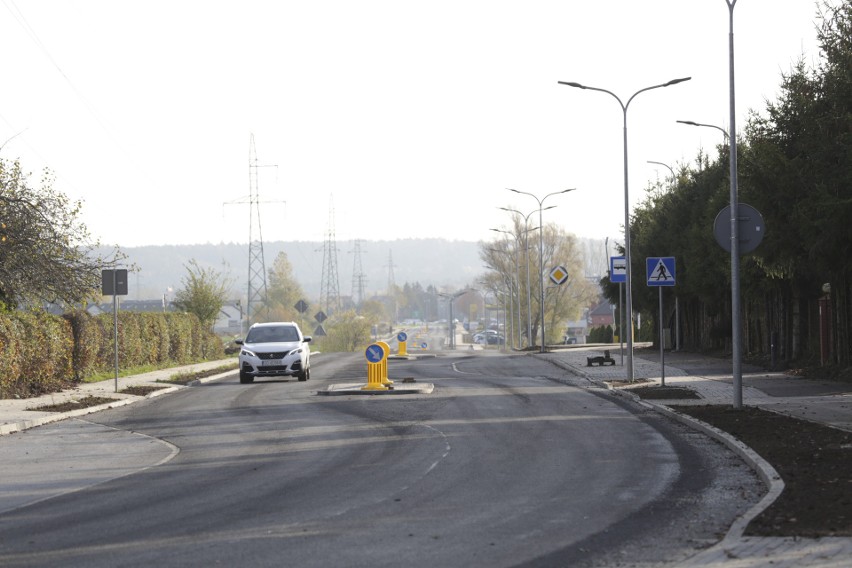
point(278, 334)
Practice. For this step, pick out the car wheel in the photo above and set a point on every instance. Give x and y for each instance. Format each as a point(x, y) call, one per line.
point(305, 375)
point(245, 378)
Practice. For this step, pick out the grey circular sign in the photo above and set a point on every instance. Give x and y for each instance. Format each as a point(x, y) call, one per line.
point(750, 229)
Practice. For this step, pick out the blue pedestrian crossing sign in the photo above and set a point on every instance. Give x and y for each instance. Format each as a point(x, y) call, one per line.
point(660, 270)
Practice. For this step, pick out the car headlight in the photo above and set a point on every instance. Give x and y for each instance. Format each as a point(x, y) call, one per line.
point(247, 353)
point(295, 351)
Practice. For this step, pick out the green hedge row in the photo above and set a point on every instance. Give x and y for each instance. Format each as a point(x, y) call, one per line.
point(41, 353)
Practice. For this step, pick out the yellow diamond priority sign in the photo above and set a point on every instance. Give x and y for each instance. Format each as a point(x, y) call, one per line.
point(559, 275)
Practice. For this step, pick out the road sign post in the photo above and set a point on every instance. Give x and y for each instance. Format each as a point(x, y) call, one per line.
point(617, 269)
point(559, 275)
point(401, 340)
point(618, 273)
point(114, 283)
point(661, 272)
point(376, 356)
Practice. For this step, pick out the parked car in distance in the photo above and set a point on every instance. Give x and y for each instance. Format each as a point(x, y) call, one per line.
point(495, 339)
point(489, 337)
point(274, 349)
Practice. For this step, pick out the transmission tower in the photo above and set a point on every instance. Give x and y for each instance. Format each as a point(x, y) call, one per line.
point(391, 282)
point(359, 279)
point(330, 291)
point(256, 296)
point(391, 286)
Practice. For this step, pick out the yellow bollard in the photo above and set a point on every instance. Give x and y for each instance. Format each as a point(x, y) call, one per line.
point(376, 359)
point(401, 340)
point(386, 348)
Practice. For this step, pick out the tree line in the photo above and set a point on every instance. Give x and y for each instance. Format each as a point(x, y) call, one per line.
point(795, 168)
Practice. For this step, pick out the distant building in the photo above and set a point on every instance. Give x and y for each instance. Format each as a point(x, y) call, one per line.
point(576, 331)
point(601, 314)
point(229, 321)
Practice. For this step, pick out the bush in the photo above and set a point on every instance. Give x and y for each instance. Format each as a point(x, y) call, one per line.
point(41, 353)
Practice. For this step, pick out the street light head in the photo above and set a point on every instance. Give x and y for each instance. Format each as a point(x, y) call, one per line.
point(515, 190)
point(676, 81)
point(567, 190)
point(572, 84)
point(689, 122)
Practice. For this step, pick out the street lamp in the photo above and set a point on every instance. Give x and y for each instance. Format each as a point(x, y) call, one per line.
point(541, 250)
point(526, 250)
point(508, 281)
point(451, 327)
point(666, 166)
point(518, 281)
point(736, 341)
point(719, 128)
point(629, 271)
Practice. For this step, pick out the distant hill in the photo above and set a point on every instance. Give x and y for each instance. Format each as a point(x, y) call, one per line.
point(438, 262)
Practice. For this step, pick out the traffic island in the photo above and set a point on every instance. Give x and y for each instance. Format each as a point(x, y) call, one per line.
point(377, 377)
point(399, 387)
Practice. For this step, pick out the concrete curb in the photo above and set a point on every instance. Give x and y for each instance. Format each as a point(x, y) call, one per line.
point(767, 473)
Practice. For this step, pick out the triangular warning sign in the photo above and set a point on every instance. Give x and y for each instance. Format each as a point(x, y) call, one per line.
point(661, 273)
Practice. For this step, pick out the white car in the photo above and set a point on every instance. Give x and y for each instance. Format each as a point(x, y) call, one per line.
point(273, 350)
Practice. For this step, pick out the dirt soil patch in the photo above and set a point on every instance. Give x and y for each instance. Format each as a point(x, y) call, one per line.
point(141, 390)
point(663, 393)
point(814, 461)
point(85, 402)
point(188, 377)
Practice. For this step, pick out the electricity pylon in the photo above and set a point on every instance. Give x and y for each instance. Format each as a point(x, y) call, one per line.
point(256, 308)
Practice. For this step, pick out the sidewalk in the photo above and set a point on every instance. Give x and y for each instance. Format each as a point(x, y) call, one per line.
point(829, 404)
point(15, 414)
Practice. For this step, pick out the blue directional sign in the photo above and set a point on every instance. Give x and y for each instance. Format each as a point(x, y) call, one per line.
point(617, 269)
point(401, 337)
point(660, 270)
point(423, 345)
point(375, 353)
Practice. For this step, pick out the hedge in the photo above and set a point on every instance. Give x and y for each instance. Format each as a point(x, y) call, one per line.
point(41, 353)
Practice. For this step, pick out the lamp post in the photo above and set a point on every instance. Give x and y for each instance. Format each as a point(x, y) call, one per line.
point(541, 250)
point(629, 271)
point(526, 250)
point(692, 123)
point(518, 281)
point(509, 284)
point(736, 341)
point(665, 166)
point(451, 327)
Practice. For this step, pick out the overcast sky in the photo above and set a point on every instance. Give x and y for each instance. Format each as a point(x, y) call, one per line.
point(409, 119)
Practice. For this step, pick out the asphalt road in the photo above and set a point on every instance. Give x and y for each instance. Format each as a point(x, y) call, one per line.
point(509, 462)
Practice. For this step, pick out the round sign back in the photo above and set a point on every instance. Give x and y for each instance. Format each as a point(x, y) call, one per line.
point(750, 229)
